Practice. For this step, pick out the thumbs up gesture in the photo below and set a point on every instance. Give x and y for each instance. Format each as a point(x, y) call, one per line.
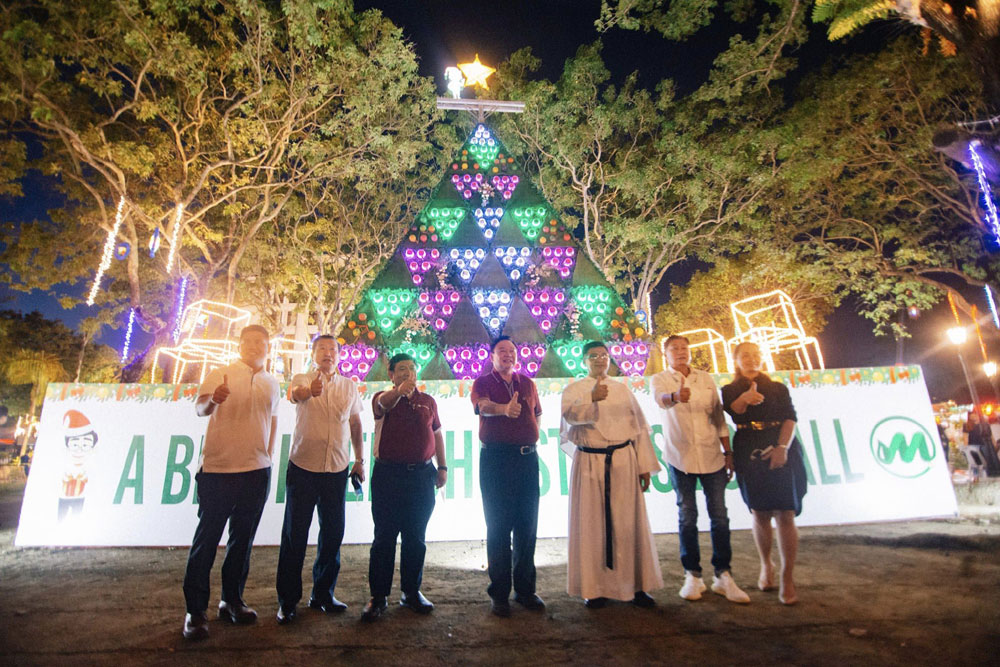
point(600, 391)
point(221, 392)
point(684, 393)
point(316, 386)
point(513, 409)
point(751, 396)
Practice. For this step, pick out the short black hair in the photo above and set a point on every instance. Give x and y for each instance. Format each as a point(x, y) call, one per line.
point(673, 337)
point(396, 358)
point(591, 345)
point(255, 327)
point(499, 340)
point(317, 339)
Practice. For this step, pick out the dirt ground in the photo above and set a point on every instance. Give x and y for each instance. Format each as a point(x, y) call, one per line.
point(922, 592)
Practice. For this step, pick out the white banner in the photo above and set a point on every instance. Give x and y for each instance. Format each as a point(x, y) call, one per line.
point(122, 472)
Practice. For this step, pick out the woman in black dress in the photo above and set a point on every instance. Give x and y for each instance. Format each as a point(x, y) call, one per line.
point(768, 461)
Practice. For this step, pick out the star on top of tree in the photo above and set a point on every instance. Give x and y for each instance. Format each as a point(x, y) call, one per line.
point(476, 73)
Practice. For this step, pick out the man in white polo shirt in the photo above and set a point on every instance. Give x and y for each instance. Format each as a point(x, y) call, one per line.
point(327, 414)
point(697, 448)
point(234, 476)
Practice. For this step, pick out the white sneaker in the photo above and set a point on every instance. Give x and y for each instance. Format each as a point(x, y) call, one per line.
point(693, 587)
point(724, 585)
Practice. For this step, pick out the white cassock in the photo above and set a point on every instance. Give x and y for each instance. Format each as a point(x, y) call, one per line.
point(615, 420)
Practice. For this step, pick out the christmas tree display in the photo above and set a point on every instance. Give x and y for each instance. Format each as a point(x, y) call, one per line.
point(488, 256)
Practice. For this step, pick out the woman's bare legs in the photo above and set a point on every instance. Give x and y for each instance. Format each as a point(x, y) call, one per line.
point(763, 537)
point(788, 547)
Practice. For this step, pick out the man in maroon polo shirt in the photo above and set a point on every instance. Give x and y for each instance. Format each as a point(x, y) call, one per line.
point(407, 438)
point(508, 409)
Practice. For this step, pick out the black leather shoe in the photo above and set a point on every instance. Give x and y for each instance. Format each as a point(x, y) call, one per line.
point(644, 600)
point(196, 626)
point(286, 616)
point(417, 602)
point(239, 613)
point(595, 603)
point(500, 608)
point(374, 608)
point(532, 602)
point(331, 606)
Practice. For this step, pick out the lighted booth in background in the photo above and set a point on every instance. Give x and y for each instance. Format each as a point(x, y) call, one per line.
point(115, 464)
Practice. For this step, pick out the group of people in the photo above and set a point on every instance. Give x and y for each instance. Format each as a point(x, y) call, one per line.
point(612, 555)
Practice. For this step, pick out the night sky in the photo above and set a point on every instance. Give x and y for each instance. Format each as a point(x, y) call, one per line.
point(445, 33)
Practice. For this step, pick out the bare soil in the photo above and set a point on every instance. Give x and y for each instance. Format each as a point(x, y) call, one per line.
point(922, 592)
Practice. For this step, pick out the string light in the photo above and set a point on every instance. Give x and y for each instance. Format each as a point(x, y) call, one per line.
point(180, 308)
point(954, 310)
point(128, 334)
point(174, 236)
point(984, 186)
point(109, 247)
point(993, 306)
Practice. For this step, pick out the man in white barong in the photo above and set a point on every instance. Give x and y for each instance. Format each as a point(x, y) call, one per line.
point(611, 549)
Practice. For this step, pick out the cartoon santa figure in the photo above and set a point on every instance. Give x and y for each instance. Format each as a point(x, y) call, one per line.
point(81, 438)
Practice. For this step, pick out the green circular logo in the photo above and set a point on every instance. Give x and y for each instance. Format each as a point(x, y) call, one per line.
point(903, 447)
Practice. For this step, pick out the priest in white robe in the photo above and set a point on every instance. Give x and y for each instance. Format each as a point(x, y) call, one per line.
point(611, 549)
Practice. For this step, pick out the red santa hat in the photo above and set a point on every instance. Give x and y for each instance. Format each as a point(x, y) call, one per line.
point(76, 423)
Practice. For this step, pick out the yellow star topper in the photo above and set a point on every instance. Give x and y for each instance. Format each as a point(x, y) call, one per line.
point(476, 73)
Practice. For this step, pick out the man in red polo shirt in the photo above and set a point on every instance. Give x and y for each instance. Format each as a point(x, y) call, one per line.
point(508, 409)
point(407, 438)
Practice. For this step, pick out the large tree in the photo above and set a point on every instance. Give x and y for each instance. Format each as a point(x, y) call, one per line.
point(647, 179)
point(211, 119)
point(862, 195)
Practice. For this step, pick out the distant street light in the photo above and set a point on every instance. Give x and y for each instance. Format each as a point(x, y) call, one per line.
point(958, 336)
point(990, 369)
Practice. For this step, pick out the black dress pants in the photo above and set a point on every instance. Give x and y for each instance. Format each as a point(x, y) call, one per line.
point(508, 480)
point(305, 491)
point(402, 502)
point(238, 498)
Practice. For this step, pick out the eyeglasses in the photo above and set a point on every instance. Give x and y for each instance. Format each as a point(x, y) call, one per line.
point(597, 357)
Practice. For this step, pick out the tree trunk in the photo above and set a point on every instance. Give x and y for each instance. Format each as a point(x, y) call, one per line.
point(976, 33)
point(79, 359)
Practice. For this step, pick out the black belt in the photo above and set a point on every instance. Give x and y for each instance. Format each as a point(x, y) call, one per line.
point(609, 552)
point(523, 450)
point(758, 426)
point(403, 466)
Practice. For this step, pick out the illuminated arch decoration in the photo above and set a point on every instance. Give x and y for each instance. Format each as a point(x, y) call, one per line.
point(771, 321)
point(515, 261)
point(488, 220)
point(631, 358)
point(561, 258)
point(391, 305)
point(493, 306)
point(208, 333)
point(714, 344)
point(438, 306)
point(467, 362)
point(419, 261)
point(546, 305)
point(356, 361)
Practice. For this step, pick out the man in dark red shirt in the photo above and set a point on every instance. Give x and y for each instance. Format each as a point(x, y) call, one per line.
point(407, 438)
point(508, 409)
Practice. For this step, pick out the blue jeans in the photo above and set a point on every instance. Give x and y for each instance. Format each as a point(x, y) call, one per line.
point(307, 491)
point(714, 485)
